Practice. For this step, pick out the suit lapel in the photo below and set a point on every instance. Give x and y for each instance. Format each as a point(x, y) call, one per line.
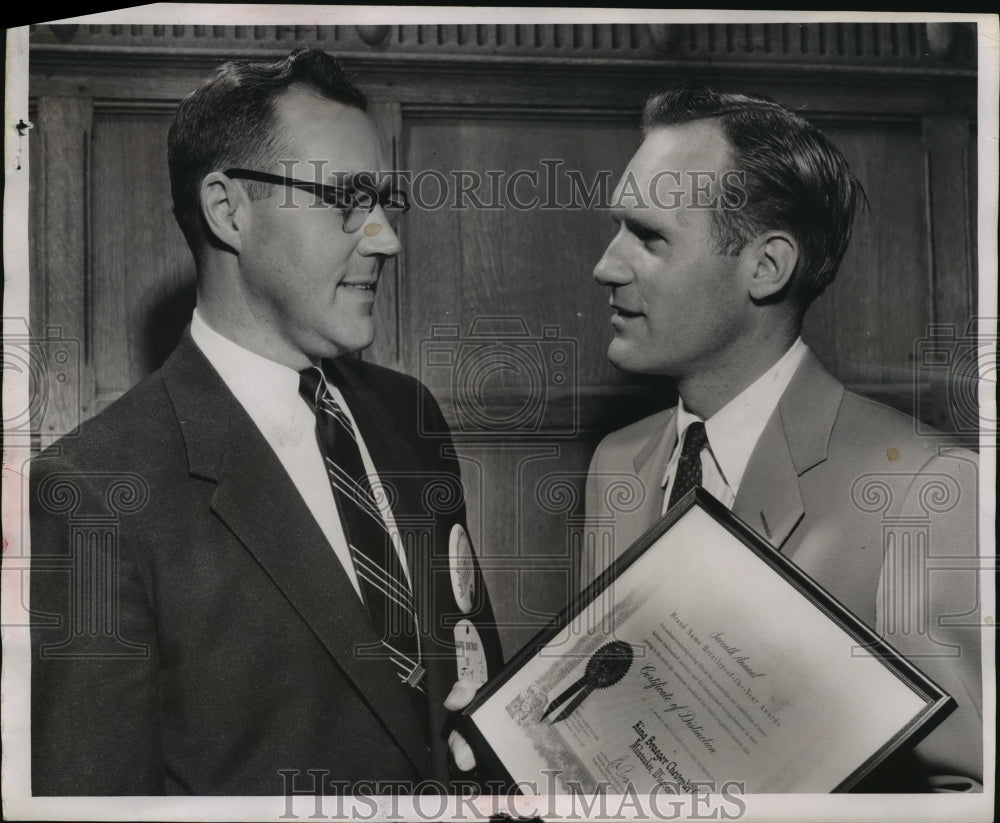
point(649, 464)
point(225, 445)
point(769, 500)
point(794, 440)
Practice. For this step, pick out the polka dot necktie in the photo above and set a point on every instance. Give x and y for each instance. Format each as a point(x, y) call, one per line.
point(689, 466)
point(385, 590)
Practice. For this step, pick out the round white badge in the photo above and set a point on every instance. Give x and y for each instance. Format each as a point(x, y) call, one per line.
point(469, 650)
point(463, 575)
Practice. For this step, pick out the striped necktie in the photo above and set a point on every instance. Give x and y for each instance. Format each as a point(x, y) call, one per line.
point(384, 588)
point(689, 466)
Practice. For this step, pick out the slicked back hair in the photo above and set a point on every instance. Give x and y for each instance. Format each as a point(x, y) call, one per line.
point(795, 179)
point(230, 121)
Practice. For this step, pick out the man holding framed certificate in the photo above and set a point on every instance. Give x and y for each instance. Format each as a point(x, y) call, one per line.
point(791, 602)
point(733, 217)
point(671, 675)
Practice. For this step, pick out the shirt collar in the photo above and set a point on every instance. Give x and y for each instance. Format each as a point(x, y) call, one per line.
point(733, 431)
point(268, 390)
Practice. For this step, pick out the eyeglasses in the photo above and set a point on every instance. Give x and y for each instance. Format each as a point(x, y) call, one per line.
point(356, 201)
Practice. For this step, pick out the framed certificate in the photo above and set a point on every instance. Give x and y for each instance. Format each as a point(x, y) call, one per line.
point(702, 658)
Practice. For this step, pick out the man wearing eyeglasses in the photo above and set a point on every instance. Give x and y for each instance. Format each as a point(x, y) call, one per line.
point(288, 593)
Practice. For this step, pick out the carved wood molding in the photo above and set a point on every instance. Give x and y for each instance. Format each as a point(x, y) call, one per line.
point(437, 81)
point(875, 44)
point(414, 112)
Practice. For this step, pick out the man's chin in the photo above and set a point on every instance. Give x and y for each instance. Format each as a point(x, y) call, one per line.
point(622, 356)
point(338, 344)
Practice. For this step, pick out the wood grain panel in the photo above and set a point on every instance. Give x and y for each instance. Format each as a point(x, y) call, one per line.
point(470, 84)
point(865, 325)
point(525, 499)
point(143, 271)
point(508, 261)
point(947, 144)
point(844, 42)
point(385, 350)
point(951, 215)
point(64, 130)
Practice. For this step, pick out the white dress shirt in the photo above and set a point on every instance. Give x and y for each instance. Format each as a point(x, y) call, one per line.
point(269, 392)
point(733, 431)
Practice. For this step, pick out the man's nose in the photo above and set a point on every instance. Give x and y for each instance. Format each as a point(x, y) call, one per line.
point(611, 270)
point(378, 235)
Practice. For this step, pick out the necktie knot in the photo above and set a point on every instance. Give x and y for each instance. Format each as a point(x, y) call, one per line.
point(311, 386)
point(695, 439)
point(689, 466)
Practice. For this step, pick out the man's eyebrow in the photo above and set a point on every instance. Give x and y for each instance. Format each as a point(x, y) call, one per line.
point(632, 218)
point(348, 180)
point(341, 179)
point(633, 222)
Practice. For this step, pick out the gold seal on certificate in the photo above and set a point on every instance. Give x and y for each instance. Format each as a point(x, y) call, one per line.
point(463, 576)
point(608, 666)
point(702, 657)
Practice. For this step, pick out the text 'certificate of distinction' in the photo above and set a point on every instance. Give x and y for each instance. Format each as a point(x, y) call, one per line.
point(702, 660)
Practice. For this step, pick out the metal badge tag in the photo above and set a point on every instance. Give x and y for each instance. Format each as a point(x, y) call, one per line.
point(469, 651)
point(463, 576)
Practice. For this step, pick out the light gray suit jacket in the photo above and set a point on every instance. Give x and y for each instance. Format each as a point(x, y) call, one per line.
point(883, 518)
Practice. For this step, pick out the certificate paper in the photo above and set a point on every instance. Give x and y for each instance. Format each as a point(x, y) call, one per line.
point(703, 658)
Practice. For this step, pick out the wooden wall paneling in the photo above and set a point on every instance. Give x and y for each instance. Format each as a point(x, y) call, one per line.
point(951, 233)
point(948, 144)
point(847, 42)
point(971, 174)
point(466, 81)
point(143, 272)
point(430, 284)
point(903, 267)
point(135, 81)
point(388, 119)
point(536, 263)
point(525, 499)
point(863, 327)
point(552, 494)
point(529, 266)
point(459, 82)
point(428, 288)
point(64, 128)
point(495, 515)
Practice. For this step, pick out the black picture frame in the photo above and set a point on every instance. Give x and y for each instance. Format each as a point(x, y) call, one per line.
point(937, 703)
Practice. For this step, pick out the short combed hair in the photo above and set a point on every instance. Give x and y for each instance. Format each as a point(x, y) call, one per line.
point(794, 177)
point(229, 121)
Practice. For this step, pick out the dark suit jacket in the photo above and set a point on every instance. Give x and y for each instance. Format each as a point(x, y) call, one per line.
point(884, 519)
point(193, 630)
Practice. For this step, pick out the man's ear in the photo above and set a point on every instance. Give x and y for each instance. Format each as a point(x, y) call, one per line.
point(225, 208)
point(775, 256)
